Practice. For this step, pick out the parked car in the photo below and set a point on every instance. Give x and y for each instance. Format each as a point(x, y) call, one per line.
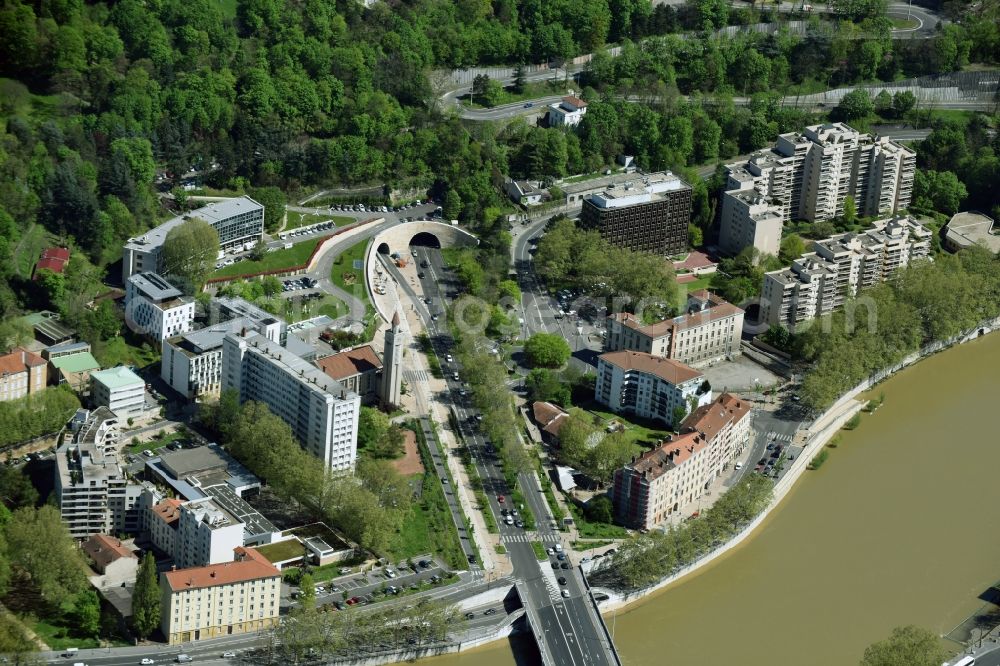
point(562, 580)
point(490, 611)
point(228, 654)
point(565, 594)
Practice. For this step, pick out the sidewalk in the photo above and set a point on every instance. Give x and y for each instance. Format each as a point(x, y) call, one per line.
point(420, 399)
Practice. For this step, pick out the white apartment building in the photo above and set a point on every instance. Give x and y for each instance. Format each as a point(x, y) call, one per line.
point(808, 175)
point(21, 373)
point(119, 389)
point(568, 112)
point(648, 386)
point(235, 597)
point(662, 481)
point(322, 413)
point(91, 488)
point(192, 362)
point(155, 307)
point(709, 331)
point(749, 220)
point(239, 221)
point(206, 534)
point(838, 268)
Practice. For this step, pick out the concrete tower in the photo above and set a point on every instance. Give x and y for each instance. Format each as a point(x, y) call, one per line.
point(392, 364)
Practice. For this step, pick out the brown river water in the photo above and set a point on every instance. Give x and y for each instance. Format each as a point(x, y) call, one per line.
point(900, 526)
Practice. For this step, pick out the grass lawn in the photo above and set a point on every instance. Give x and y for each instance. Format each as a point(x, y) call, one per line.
point(539, 549)
point(589, 530)
point(900, 23)
point(343, 274)
point(156, 444)
point(272, 261)
point(639, 432)
point(296, 220)
point(531, 91)
point(700, 283)
point(281, 551)
point(119, 351)
point(58, 637)
point(29, 248)
point(587, 545)
point(293, 310)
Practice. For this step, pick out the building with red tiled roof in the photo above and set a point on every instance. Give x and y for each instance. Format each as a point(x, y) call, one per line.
point(568, 112)
point(359, 369)
point(661, 481)
point(109, 555)
point(235, 597)
point(725, 425)
point(53, 259)
point(648, 386)
point(709, 331)
point(21, 373)
point(549, 417)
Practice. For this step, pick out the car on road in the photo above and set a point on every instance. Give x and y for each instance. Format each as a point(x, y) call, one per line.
point(146, 661)
point(469, 616)
point(421, 275)
point(550, 551)
point(449, 358)
point(183, 659)
point(565, 594)
point(455, 376)
point(519, 523)
point(500, 499)
point(564, 565)
point(472, 559)
point(352, 601)
point(424, 564)
point(561, 556)
point(228, 654)
point(555, 565)
point(528, 105)
point(490, 611)
point(562, 580)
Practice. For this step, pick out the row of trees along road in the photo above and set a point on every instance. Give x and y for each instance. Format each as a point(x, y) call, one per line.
point(369, 506)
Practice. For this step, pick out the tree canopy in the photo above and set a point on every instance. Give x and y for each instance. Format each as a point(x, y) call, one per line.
point(189, 253)
point(546, 350)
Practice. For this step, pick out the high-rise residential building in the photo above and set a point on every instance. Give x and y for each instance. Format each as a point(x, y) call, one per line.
point(749, 220)
point(155, 307)
point(708, 331)
point(392, 367)
point(322, 413)
point(809, 175)
point(21, 373)
point(660, 482)
point(838, 268)
point(239, 221)
point(119, 389)
point(651, 387)
point(236, 597)
point(91, 487)
point(647, 214)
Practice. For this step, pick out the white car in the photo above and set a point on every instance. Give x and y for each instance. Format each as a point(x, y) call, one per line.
point(228, 654)
point(146, 661)
point(565, 594)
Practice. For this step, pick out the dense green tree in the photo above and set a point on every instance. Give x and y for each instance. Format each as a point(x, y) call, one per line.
point(907, 646)
point(273, 200)
point(146, 598)
point(854, 105)
point(40, 546)
point(189, 253)
point(546, 350)
point(545, 385)
point(938, 190)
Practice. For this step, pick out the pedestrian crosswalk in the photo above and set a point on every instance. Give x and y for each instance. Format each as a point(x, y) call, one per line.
point(528, 537)
point(414, 376)
point(775, 437)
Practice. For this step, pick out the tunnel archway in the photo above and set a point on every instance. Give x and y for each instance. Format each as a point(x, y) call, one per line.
point(383, 248)
point(426, 239)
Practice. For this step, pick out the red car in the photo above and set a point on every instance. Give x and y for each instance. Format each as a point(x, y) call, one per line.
point(352, 601)
point(500, 499)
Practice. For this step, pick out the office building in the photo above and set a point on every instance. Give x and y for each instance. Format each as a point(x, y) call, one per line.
point(156, 308)
point(838, 268)
point(237, 597)
point(359, 370)
point(322, 413)
point(708, 331)
point(21, 373)
point(392, 372)
point(91, 488)
point(651, 387)
point(808, 175)
point(649, 213)
point(239, 221)
point(120, 390)
point(567, 112)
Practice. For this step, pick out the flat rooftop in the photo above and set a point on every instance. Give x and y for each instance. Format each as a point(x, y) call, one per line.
point(970, 228)
point(640, 189)
point(118, 378)
point(212, 213)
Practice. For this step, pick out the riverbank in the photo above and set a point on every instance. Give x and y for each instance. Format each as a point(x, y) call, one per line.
point(823, 429)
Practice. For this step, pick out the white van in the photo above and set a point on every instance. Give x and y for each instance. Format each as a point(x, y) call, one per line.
point(967, 660)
